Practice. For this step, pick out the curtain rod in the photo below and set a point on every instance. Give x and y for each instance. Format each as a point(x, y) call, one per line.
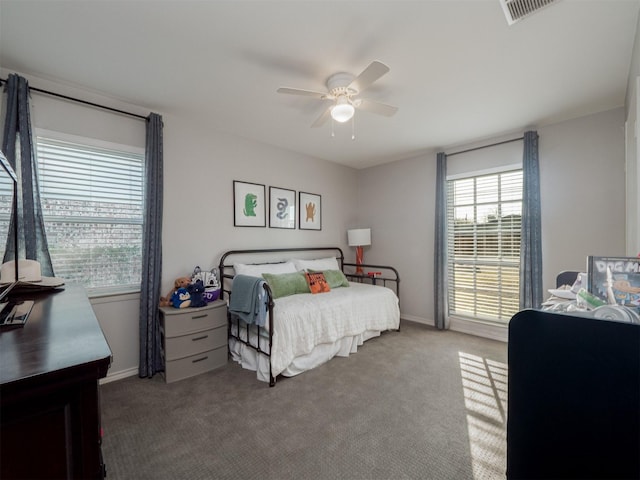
point(484, 146)
point(77, 100)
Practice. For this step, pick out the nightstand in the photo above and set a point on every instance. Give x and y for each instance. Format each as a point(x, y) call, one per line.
point(194, 340)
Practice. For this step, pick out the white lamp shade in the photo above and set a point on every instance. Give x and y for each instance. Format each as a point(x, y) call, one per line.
point(359, 237)
point(342, 111)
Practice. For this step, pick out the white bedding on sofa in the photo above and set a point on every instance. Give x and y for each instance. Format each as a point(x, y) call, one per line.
point(311, 329)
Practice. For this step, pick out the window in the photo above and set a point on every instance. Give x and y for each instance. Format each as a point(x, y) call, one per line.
point(92, 203)
point(484, 216)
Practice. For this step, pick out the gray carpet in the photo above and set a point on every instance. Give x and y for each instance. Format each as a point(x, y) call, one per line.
point(418, 403)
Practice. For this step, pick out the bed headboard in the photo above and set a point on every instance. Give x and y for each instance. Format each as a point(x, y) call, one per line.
point(270, 255)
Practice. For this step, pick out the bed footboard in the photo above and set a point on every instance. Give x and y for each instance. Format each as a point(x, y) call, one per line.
point(247, 340)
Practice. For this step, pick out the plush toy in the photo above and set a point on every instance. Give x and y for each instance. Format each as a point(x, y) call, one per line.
point(181, 298)
point(196, 290)
point(209, 279)
point(180, 282)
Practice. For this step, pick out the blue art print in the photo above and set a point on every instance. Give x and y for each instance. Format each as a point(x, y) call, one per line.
point(282, 208)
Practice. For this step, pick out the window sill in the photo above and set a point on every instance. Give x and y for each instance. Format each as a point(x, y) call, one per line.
point(104, 295)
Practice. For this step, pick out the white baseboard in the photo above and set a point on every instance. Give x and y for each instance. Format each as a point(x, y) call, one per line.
point(413, 318)
point(456, 324)
point(112, 377)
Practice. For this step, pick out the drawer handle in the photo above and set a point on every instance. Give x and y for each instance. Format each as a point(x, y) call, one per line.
point(198, 316)
point(199, 338)
point(199, 359)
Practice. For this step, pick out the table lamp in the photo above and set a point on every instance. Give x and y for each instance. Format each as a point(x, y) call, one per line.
point(359, 238)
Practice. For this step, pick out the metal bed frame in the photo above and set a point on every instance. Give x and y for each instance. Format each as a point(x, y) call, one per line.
point(391, 276)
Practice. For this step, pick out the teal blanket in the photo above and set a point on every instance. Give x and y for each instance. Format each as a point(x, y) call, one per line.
point(248, 300)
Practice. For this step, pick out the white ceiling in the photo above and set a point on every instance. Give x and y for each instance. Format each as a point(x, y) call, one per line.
point(458, 74)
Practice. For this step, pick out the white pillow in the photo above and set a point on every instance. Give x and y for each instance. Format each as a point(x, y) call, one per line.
point(259, 269)
point(330, 263)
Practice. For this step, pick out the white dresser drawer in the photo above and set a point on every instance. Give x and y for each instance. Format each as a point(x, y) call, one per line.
point(195, 364)
point(186, 345)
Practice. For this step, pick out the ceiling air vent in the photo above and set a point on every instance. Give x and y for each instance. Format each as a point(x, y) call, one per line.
point(516, 10)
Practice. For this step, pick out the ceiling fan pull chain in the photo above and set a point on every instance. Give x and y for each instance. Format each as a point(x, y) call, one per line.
point(333, 134)
point(353, 127)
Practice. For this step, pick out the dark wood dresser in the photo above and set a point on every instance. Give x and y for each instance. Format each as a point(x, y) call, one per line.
point(574, 397)
point(49, 393)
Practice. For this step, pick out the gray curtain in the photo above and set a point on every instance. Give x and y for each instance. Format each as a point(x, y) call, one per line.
point(440, 313)
point(17, 145)
point(150, 339)
point(531, 238)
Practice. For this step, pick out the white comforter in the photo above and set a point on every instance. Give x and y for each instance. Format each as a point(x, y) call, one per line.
point(305, 321)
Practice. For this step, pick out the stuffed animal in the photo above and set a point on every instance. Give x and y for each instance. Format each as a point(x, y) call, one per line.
point(209, 279)
point(180, 282)
point(196, 290)
point(181, 298)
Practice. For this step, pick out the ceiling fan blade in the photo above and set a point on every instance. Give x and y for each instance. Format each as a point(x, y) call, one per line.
point(370, 74)
point(306, 93)
point(376, 107)
point(322, 119)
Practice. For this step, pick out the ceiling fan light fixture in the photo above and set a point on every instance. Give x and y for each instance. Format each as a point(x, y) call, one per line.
point(342, 111)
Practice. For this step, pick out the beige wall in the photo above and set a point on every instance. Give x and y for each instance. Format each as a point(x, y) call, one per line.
point(634, 70)
point(632, 151)
point(200, 166)
point(582, 189)
point(397, 202)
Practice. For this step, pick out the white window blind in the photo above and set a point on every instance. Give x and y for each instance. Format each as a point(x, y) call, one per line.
point(6, 203)
point(92, 202)
point(484, 217)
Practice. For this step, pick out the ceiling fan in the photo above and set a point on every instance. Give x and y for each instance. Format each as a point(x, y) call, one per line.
point(343, 89)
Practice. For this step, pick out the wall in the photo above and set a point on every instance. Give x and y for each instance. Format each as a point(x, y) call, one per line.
point(632, 176)
point(634, 69)
point(632, 105)
point(582, 183)
point(582, 189)
point(199, 168)
point(397, 202)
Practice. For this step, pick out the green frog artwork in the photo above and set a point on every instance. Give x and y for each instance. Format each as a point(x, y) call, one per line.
point(250, 204)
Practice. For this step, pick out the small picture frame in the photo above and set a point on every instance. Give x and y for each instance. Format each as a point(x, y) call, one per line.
point(249, 208)
point(310, 211)
point(282, 208)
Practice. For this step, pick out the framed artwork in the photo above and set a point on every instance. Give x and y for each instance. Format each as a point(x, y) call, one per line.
point(614, 278)
point(282, 208)
point(248, 204)
point(310, 208)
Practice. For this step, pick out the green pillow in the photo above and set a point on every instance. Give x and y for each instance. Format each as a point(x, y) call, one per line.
point(284, 284)
point(335, 278)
